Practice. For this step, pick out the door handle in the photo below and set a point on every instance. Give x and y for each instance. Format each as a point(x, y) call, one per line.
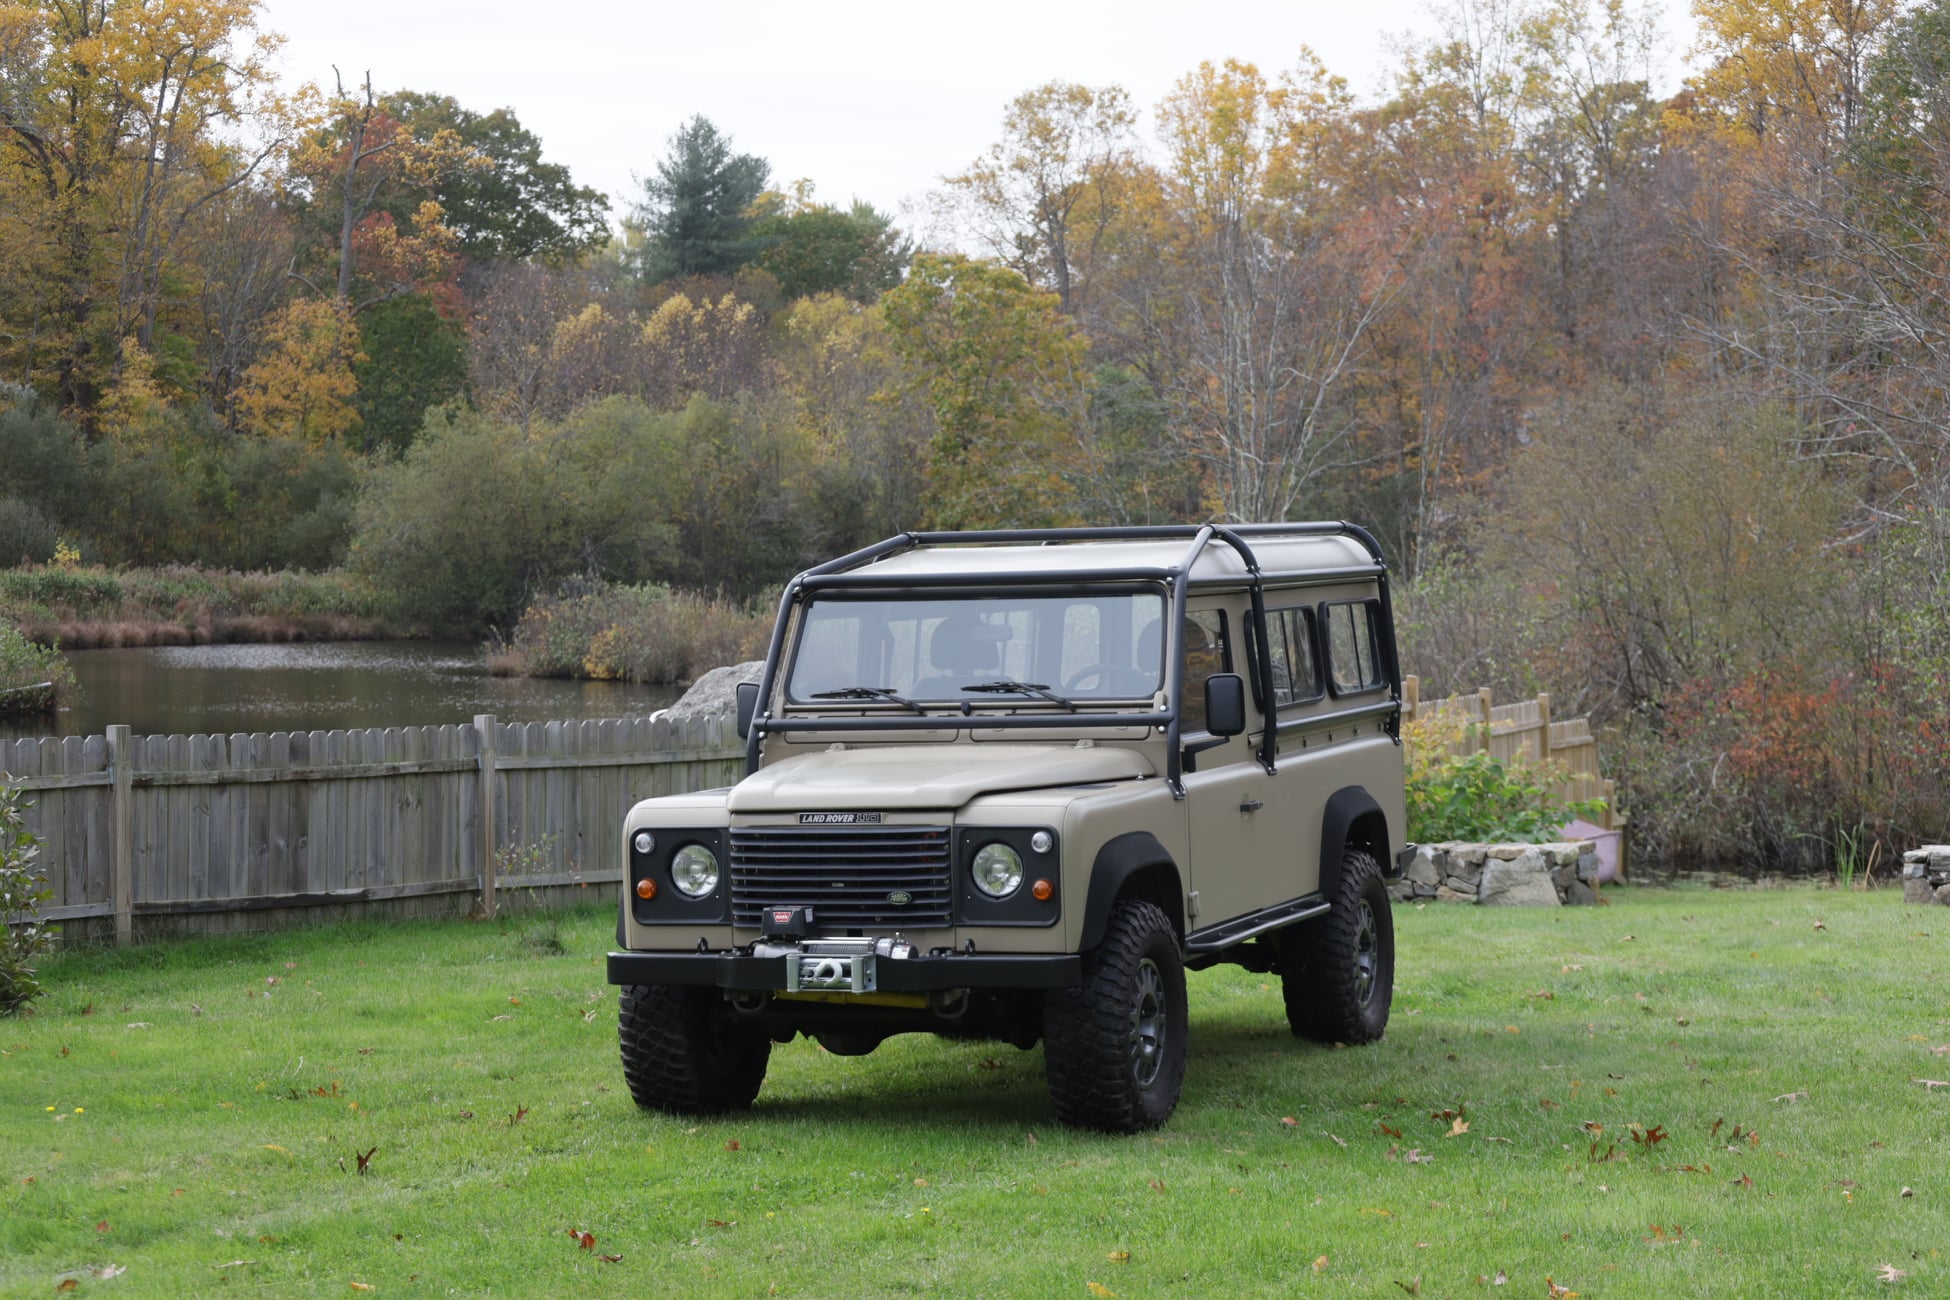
point(1250, 805)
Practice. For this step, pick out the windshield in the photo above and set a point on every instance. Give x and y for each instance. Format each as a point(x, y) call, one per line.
point(1093, 645)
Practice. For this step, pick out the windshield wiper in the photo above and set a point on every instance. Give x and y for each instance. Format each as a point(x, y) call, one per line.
point(1021, 688)
point(886, 693)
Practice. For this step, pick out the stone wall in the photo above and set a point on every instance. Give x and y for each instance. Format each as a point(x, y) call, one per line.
point(1926, 874)
point(1502, 875)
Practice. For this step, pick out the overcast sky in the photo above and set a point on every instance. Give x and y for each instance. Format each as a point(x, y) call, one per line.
point(867, 99)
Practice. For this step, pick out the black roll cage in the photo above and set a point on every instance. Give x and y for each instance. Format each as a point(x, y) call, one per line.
point(846, 571)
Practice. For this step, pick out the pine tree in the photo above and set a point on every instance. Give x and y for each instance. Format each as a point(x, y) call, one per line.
point(695, 215)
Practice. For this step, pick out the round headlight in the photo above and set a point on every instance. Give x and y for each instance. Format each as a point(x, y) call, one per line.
point(644, 841)
point(694, 870)
point(997, 870)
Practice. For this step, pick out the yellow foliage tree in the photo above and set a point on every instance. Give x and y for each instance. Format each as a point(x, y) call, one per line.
point(1006, 378)
point(119, 121)
point(303, 387)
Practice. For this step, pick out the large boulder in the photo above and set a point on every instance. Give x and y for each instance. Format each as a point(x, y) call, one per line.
point(716, 693)
point(1522, 881)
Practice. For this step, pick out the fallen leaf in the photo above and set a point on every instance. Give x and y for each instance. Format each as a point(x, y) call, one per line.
point(1890, 1273)
point(1800, 1096)
point(1157, 1186)
point(1552, 1289)
point(364, 1160)
point(1289, 1121)
point(1500, 1278)
point(1906, 1193)
point(1457, 1129)
point(732, 1145)
point(586, 1240)
point(1119, 1257)
point(1099, 1289)
point(1931, 1085)
point(68, 1284)
point(1339, 1142)
point(102, 1226)
point(1320, 1264)
point(1569, 967)
point(364, 1286)
point(1415, 1157)
point(920, 1182)
point(1413, 1286)
point(723, 1223)
point(1387, 1130)
point(1821, 925)
point(1030, 1139)
point(610, 1259)
point(1743, 1181)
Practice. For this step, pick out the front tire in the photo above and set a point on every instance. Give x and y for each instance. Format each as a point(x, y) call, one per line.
point(1115, 1048)
point(685, 1054)
point(1337, 972)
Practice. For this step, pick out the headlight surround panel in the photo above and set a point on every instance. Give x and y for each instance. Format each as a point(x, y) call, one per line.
point(672, 906)
point(1019, 907)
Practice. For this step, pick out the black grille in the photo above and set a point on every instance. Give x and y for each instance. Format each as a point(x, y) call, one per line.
point(844, 874)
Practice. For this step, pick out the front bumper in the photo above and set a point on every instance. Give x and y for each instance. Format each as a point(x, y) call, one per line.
point(741, 972)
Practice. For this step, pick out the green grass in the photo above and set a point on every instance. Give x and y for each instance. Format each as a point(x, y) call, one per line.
point(206, 1122)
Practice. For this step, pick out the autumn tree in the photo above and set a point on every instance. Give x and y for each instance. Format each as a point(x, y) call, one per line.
point(1006, 379)
point(119, 121)
point(1270, 298)
point(303, 387)
point(353, 170)
point(695, 217)
point(1044, 198)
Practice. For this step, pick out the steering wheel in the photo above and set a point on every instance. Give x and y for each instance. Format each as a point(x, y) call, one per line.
point(1111, 679)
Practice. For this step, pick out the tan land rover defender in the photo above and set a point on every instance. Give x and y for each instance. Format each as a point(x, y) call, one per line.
point(1011, 785)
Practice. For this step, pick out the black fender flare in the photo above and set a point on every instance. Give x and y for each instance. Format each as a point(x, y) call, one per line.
point(1352, 818)
point(1132, 855)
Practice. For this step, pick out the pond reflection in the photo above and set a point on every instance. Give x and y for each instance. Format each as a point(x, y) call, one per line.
point(316, 686)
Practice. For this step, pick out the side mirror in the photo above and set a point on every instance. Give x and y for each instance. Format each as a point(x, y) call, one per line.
point(1225, 704)
point(747, 706)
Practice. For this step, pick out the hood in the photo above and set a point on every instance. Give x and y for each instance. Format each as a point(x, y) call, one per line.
point(924, 776)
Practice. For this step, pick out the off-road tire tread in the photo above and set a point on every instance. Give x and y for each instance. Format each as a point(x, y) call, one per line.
point(1086, 1031)
point(682, 1055)
point(1317, 977)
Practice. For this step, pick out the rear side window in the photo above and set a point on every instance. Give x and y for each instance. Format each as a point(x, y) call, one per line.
point(1353, 657)
point(1290, 645)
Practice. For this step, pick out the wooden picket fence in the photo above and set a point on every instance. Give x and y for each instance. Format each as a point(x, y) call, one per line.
point(1526, 728)
point(215, 833)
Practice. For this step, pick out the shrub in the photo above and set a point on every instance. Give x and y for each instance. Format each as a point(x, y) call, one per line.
point(25, 663)
point(644, 633)
point(22, 890)
point(1475, 796)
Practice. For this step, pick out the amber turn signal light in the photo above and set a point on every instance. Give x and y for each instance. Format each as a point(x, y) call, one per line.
point(1042, 889)
point(646, 888)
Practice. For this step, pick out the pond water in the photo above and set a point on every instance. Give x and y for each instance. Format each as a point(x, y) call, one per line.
point(316, 686)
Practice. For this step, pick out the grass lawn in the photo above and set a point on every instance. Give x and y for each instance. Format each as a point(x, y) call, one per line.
point(196, 1114)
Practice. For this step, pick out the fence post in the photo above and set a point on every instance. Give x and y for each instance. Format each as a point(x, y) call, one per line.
point(1411, 694)
point(121, 833)
point(1483, 702)
point(1544, 723)
point(484, 725)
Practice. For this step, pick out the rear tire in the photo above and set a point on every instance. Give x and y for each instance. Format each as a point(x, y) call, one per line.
point(1337, 971)
point(684, 1053)
point(1115, 1048)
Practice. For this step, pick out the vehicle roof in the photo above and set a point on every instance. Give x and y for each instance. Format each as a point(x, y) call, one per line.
point(1088, 557)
